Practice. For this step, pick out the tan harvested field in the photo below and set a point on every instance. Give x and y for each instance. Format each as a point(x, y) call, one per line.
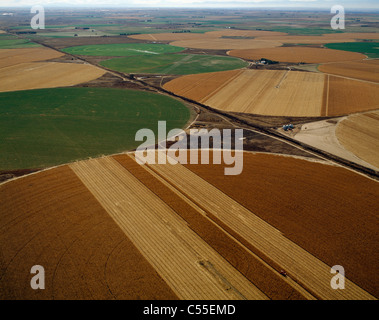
point(346, 96)
point(51, 219)
point(363, 70)
point(36, 75)
point(191, 268)
point(204, 36)
point(243, 33)
point(360, 134)
point(110, 228)
point(325, 38)
point(10, 57)
point(278, 92)
point(300, 264)
point(200, 87)
point(298, 54)
point(226, 44)
point(265, 278)
point(273, 92)
point(328, 211)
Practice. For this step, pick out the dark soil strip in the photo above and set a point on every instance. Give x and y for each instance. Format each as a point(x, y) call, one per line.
point(266, 280)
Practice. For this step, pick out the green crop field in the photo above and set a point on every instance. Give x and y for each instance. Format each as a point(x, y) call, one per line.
point(174, 64)
point(15, 43)
point(122, 49)
point(41, 128)
point(371, 49)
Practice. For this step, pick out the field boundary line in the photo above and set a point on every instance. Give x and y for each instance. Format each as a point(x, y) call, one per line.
point(203, 100)
point(162, 235)
point(327, 96)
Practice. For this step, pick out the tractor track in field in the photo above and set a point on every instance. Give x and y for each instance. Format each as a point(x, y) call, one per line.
point(236, 121)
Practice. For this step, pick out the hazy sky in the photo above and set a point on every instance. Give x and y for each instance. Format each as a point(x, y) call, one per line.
point(197, 3)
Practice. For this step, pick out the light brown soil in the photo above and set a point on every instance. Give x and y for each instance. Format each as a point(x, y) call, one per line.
point(329, 211)
point(35, 75)
point(199, 87)
point(10, 57)
point(188, 265)
point(226, 44)
point(360, 135)
point(347, 96)
point(204, 36)
point(297, 54)
point(364, 70)
point(269, 92)
point(51, 219)
point(271, 283)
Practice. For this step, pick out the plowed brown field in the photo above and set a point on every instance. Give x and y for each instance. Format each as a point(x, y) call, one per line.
point(265, 278)
point(278, 92)
point(360, 135)
point(297, 54)
point(347, 96)
point(364, 70)
point(300, 264)
point(10, 57)
point(329, 211)
point(191, 268)
point(111, 229)
point(51, 219)
point(37, 75)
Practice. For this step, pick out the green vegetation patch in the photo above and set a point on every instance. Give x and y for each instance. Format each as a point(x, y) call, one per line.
point(17, 44)
point(371, 49)
point(122, 49)
point(174, 64)
point(41, 128)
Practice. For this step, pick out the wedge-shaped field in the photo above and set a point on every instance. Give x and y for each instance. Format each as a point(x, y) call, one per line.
point(36, 75)
point(189, 266)
point(109, 228)
point(46, 127)
point(278, 92)
point(297, 54)
point(10, 57)
point(363, 70)
point(360, 134)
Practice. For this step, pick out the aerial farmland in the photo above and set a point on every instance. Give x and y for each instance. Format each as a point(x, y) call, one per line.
point(279, 211)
